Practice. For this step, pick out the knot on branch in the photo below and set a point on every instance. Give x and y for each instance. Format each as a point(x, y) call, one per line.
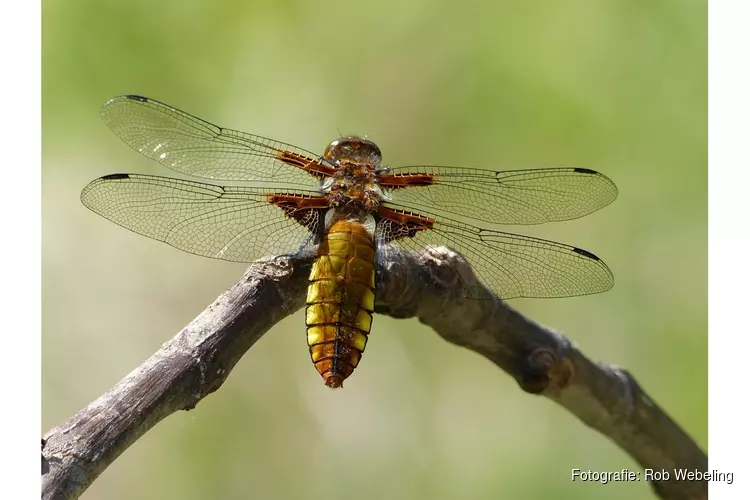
point(543, 369)
point(446, 268)
point(410, 282)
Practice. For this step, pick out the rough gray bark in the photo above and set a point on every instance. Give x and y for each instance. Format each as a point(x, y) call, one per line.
point(199, 358)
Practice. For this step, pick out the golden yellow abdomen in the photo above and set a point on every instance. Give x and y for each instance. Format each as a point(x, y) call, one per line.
point(341, 300)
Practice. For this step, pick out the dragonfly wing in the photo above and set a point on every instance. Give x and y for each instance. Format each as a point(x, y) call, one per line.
point(511, 265)
point(237, 224)
point(503, 197)
point(196, 147)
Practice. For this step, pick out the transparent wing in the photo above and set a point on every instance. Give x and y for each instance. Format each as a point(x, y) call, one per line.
point(511, 265)
point(504, 197)
point(196, 147)
point(230, 223)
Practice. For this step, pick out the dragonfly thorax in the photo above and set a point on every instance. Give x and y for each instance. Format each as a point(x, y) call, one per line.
point(354, 189)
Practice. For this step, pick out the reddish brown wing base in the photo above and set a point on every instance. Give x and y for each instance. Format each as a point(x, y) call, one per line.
point(301, 208)
point(314, 167)
point(397, 181)
point(395, 224)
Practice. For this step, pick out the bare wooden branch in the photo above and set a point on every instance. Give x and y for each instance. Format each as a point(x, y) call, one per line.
point(199, 358)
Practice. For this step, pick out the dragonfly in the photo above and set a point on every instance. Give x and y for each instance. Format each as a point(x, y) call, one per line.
point(349, 208)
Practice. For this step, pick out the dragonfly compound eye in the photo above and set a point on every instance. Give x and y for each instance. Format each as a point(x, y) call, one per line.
point(354, 149)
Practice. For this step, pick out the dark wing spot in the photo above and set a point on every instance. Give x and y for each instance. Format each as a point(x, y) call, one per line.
point(116, 176)
point(585, 171)
point(586, 253)
point(136, 97)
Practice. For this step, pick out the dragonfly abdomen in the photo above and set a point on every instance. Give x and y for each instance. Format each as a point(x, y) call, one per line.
point(341, 300)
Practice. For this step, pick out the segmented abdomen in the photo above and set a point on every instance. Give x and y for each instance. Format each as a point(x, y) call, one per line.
point(341, 300)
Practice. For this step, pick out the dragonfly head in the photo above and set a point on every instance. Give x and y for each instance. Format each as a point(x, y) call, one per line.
point(354, 149)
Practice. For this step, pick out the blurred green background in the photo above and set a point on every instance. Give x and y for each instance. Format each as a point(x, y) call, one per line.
point(617, 86)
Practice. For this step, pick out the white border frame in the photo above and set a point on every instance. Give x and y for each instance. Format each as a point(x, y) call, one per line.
point(729, 245)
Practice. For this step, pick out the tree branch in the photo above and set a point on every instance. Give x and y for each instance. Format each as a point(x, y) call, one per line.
point(199, 358)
